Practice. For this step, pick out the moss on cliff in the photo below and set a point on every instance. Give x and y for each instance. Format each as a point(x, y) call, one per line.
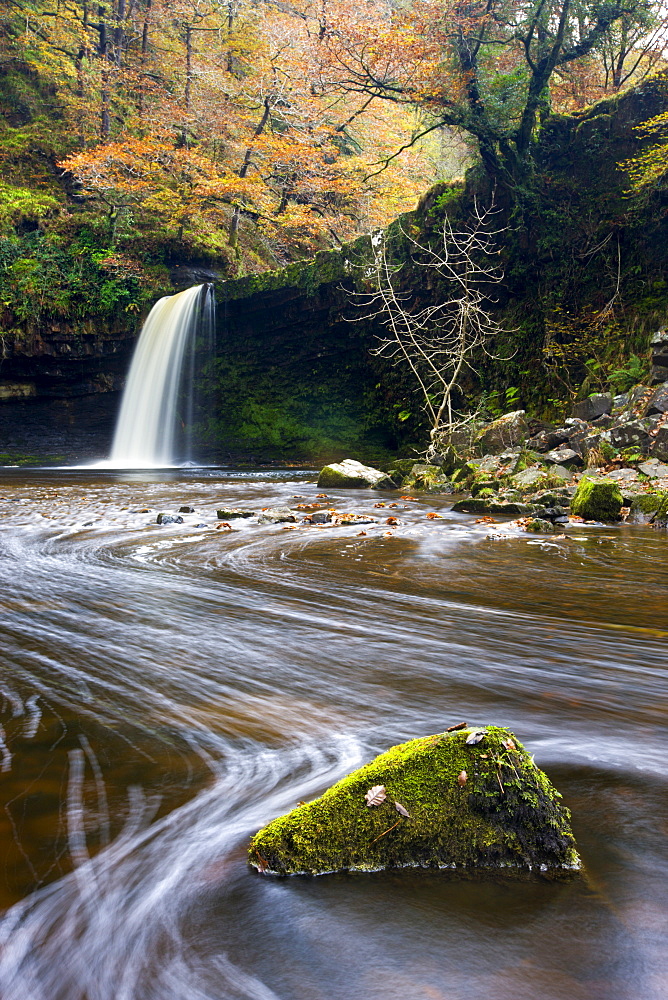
point(482, 804)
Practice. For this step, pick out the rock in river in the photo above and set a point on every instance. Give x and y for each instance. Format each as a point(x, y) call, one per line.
point(471, 798)
point(350, 474)
point(597, 500)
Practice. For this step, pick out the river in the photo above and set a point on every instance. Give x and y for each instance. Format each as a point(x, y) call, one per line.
point(166, 690)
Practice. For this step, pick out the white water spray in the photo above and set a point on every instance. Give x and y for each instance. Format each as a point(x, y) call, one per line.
point(147, 422)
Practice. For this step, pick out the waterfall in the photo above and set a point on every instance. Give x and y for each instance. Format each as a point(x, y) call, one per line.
point(158, 400)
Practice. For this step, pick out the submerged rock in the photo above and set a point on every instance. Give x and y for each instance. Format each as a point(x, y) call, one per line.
point(168, 519)
point(230, 513)
point(490, 505)
point(277, 515)
point(470, 798)
point(597, 500)
point(350, 474)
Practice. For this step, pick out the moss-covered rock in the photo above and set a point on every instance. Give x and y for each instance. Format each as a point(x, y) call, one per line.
point(540, 526)
point(350, 474)
point(230, 513)
point(430, 478)
point(597, 500)
point(474, 798)
point(649, 508)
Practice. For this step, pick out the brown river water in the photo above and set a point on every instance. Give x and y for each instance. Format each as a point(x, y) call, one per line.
point(165, 691)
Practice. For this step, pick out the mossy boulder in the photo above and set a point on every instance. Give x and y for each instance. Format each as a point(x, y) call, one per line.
point(430, 478)
point(473, 798)
point(649, 508)
point(350, 474)
point(597, 500)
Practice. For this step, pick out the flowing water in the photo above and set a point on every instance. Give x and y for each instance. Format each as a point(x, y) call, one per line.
point(165, 691)
point(149, 420)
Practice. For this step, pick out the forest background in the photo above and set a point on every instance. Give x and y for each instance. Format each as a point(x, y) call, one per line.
point(137, 133)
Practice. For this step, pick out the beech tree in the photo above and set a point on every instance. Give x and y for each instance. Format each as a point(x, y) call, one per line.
point(483, 66)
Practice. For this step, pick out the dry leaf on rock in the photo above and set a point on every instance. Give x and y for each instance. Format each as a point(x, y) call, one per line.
point(375, 795)
point(402, 809)
point(474, 738)
point(462, 778)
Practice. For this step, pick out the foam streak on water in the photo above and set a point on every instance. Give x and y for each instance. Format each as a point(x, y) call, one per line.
point(166, 690)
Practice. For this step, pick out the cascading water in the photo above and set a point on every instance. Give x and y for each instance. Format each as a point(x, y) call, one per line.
point(146, 429)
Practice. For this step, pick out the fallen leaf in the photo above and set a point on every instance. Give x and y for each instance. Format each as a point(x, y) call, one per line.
point(402, 809)
point(225, 525)
point(322, 496)
point(407, 498)
point(475, 738)
point(462, 778)
point(433, 516)
point(379, 505)
point(375, 795)
point(393, 505)
point(460, 725)
point(391, 520)
point(485, 520)
point(509, 745)
point(360, 533)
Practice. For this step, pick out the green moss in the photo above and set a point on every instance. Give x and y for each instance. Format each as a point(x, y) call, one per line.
point(650, 503)
point(505, 814)
point(597, 500)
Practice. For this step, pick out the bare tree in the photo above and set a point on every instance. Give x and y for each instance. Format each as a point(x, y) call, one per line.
point(436, 342)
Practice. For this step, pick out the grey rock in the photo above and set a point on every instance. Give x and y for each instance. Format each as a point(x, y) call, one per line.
point(620, 402)
point(529, 477)
point(561, 472)
point(277, 515)
point(593, 406)
point(321, 517)
point(658, 374)
point(603, 422)
point(488, 463)
point(564, 457)
point(631, 434)
point(350, 474)
point(659, 401)
point(659, 447)
point(169, 519)
point(186, 510)
point(654, 469)
point(659, 345)
point(547, 440)
point(509, 430)
point(622, 475)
